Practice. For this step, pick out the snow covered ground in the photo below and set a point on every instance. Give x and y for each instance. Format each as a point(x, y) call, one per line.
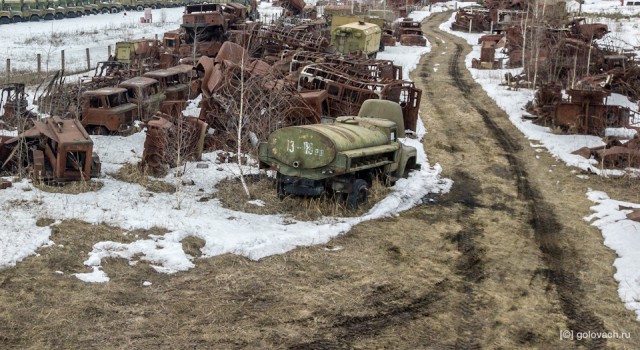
point(23, 41)
point(620, 234)
point(131, 206)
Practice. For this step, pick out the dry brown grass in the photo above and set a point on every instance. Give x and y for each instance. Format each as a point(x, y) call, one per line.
point(75, 187)
point(299, 208)
point(132, 173)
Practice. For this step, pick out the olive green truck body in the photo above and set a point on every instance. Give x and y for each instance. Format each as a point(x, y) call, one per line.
point(340, 157)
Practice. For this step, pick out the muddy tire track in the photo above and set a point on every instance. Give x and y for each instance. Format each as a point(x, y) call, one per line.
point(542, 219)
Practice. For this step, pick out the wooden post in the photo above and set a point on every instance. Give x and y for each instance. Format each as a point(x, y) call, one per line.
point(8, 69)
point(62, 60)
point(109, 50)
point(88, 60)
point(39, 59)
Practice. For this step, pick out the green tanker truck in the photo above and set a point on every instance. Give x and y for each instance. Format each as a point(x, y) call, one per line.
point(343, 157)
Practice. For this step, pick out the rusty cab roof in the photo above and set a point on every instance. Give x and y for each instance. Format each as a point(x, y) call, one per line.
point(182, 68)
point(160, 73)
point(107, 91)
point(138, 82)
point(203, 8)
point(63, 131)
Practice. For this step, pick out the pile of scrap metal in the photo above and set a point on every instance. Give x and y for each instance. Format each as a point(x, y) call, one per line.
point(292, 8)
point(171, 141)
point(480, 19)
point(409, 33)
point(564, 54)
point(269, 101)
point(615, 154)
point(346, 93)
point(488, 45)
point(586, 112)
point(14, 107)
point(271, 40)
point(357, 66)
point(54, 150)
point(203, 30)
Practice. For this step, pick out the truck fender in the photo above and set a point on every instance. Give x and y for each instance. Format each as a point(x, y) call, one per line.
point(407, 161)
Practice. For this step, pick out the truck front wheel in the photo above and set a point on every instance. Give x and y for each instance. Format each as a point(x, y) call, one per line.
point(359, 194)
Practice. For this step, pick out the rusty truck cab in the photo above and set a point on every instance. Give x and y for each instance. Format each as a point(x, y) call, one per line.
point(68, 150)
point(107, 110)
point(174, 81)
point(145, 93)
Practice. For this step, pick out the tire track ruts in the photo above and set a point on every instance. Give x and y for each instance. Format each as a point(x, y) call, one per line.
point(543, 222)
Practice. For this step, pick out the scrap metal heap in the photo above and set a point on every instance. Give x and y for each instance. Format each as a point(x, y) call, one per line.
point(233, 84)
point(585, 112)
point(409, 33)
point(616, 154)
point(347, 93)
point(14, 107)
point(171, 141)
point(54, 150)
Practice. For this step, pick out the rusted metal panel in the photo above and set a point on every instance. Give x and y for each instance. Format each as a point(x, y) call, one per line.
point(346, 93)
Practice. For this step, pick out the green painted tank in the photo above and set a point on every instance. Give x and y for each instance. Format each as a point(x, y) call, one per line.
point(315, 146)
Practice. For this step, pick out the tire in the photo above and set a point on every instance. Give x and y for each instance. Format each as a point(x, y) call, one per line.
point(59, 16)
point(99, 130)
point(139, 8)
point(153, 7)
point(48, 17)
point(105, 11)
point(79, 14)
point(94, 12)
point(71, 15)
point(5, 20)
point(114, 10)
point(34, 18)
point(359, 194)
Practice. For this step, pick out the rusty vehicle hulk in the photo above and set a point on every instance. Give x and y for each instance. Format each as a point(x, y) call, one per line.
point(107, 110)
point(145, 94)
point(342, 158)
point(54, 150)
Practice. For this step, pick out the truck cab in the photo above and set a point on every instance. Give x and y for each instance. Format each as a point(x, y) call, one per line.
point(145, 94)
point(107, 110)
point(10, 13)
point(73, 10)
point(59, 12)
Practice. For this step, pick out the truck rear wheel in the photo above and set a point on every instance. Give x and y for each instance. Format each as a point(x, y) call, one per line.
point(359, 194)
point(114, 10)
point(140, 8)
point(4, 20)
point(34, 18)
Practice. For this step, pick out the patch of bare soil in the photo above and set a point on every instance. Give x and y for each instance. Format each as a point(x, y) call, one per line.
point(503, 261)
point(132, 173)
point(263, 188)
point(74, 187)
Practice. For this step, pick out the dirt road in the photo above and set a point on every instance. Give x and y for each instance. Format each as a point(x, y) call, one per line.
point(503, 261)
